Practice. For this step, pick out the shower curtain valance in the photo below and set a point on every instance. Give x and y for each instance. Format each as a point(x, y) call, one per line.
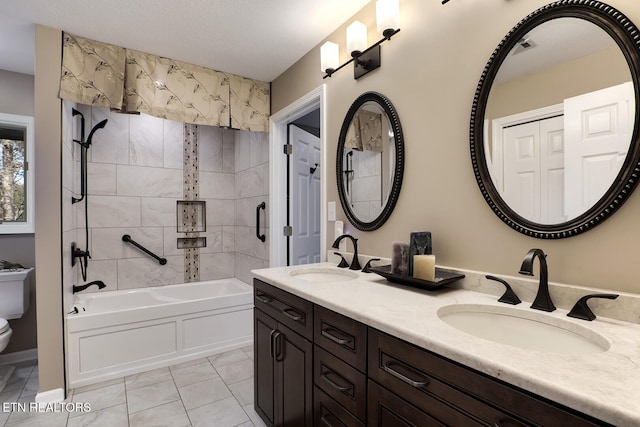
point(96, 73)
point(175, 90)
point(92, 72)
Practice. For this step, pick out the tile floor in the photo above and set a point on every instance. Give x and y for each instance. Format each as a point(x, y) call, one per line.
point(214, 391)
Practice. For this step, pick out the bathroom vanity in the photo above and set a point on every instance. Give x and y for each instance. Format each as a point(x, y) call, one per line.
point(361, 351)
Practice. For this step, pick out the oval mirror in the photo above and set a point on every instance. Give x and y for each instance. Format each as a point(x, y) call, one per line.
point(370, 161)
point(554, 124)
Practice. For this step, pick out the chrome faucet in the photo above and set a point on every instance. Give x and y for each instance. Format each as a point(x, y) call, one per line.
point(355, 264)
point(99, 283)
point(543, 299)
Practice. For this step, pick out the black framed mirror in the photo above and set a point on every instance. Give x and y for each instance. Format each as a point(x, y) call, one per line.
point(555, 119)
point(370, 161)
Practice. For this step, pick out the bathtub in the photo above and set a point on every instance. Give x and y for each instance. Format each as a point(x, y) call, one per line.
point(118, 333)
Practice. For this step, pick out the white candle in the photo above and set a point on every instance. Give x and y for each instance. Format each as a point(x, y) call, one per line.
point(424, 267)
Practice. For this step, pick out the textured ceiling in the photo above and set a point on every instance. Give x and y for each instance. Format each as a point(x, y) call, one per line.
point(254, 38)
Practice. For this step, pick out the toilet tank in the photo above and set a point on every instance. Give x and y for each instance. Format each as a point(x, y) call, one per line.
point(14, 292)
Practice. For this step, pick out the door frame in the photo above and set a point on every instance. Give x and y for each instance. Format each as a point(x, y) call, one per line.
point(278, 172)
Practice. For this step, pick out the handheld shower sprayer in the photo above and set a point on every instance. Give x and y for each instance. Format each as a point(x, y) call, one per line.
point(76, 252)
point(100, 125)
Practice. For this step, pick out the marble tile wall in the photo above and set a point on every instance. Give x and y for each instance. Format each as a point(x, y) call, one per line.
point(135, 178)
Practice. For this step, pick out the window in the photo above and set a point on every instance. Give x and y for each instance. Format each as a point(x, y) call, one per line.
point(16, 174)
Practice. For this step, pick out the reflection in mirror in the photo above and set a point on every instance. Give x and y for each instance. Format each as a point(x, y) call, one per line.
point(369, 161)
point(554, 141)
point(559, 127)
point(16, 194)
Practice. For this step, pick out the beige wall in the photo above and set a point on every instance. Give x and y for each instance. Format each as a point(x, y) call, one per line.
point(17, 93)
point(430, 71)
point(48, 213)
point(17, 98)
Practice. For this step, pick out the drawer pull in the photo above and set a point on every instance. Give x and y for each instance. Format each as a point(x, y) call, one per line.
point(263, 298)
point(507, 422)
point(340, 341)
point(292, 314)
point(404, 378)
point(325, 422)
point(324, 418)
point(340, 388)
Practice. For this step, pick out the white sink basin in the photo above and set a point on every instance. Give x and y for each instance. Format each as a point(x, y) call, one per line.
point(323, 274)
point(528, 330)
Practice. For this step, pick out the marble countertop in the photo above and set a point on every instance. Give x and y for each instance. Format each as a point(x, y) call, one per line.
point(605, 385)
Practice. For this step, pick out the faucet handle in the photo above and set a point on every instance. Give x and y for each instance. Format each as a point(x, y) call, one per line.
point(343, 262)
point(509, 296)
point(367, 266)
point(581, 309)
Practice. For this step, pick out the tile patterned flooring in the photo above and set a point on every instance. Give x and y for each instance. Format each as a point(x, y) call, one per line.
point(215, 391)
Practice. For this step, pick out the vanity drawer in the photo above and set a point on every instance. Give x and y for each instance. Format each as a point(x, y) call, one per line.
point(344, 384)
point(288, 309)
point(414, 373)
point(341, 336)
point(328, 413)
point(388, 410)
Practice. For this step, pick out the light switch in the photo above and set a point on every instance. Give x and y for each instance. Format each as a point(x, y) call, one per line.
point(331, 211)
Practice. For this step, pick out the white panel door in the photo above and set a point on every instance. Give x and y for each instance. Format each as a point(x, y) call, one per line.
point(522, 169)
point(534, 169)
point(598, 127)
point(552, 170)
point(305, 197)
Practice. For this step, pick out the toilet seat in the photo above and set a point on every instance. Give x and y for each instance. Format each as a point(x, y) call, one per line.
point(4, 326)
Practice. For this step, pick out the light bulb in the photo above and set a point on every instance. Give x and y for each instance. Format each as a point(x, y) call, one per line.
point(387, 16)
point(356, 38)
point(329, 57)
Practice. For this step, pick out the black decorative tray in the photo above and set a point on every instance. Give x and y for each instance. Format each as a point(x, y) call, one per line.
point(443, 278)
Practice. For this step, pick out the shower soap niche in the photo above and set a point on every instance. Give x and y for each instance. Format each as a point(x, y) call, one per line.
point(192, 242)
point(191, 216)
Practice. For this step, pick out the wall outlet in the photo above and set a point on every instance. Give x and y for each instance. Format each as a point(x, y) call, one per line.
point(338, 230)
point(331, 211)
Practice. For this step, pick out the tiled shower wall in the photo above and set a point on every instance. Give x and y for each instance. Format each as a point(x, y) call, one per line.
point(135, 178)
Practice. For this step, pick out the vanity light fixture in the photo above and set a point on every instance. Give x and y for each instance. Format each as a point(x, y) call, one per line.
point(364, 59)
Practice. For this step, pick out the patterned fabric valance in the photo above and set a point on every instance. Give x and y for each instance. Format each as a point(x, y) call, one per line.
point(96, 73)
point(249, 104)
point(92, 72)
point(175, 90)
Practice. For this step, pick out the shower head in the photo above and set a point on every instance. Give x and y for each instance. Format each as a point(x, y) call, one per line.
point(95, 128)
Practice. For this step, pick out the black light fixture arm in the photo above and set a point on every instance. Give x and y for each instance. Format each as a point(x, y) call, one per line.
point(355, 56)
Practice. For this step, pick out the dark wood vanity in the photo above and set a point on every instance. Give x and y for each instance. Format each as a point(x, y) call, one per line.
point(315, 367)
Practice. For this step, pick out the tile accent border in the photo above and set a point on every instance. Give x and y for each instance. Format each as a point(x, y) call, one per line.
point(191, 192)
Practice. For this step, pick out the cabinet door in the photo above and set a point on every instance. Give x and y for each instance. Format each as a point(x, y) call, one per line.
point(264, 379)
point(294, 378)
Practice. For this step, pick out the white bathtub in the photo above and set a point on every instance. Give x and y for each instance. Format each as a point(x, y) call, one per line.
point(118, 333)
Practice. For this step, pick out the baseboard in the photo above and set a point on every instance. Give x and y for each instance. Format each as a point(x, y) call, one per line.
point(50, 396)
point(19, 356)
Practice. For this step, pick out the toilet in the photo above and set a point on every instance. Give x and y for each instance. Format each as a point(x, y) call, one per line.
point(5, 334)
point(14, 302)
